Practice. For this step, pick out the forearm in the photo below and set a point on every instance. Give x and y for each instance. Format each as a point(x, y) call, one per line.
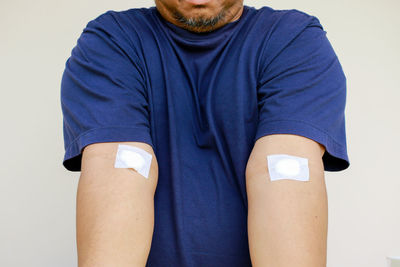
point(115, 216)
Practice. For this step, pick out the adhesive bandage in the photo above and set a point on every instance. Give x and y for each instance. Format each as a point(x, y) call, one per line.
point(283, 166)
point(135, 158)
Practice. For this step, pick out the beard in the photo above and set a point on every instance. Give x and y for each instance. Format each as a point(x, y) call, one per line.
point(199, 23)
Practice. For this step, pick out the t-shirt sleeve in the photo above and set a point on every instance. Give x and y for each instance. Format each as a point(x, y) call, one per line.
point(302, 88)
point(103, 91)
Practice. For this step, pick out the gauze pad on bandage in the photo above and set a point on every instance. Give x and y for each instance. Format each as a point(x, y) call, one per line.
point(135, 158)
point(283, 166)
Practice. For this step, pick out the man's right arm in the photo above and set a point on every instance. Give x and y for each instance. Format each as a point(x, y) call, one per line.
point(115, 209)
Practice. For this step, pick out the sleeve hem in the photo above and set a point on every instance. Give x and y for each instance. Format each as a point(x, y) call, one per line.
point(335, 157)
point(73, 153)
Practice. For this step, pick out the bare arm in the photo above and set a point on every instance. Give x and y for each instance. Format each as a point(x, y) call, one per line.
point(115, 209)
point(287, 219)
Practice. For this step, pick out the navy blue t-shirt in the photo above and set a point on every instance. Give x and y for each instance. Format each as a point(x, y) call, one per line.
point(201, 100)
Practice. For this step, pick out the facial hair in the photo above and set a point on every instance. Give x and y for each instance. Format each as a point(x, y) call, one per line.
point(199, 24)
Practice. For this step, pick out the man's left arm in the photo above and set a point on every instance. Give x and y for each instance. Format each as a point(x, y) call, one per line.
point(287, 218)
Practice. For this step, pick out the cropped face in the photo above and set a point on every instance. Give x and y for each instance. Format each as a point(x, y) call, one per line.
point(200, 15)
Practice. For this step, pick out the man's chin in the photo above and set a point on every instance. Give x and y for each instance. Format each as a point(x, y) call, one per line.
point(199, 23)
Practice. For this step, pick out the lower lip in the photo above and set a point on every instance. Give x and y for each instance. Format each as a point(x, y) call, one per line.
point(198, 2)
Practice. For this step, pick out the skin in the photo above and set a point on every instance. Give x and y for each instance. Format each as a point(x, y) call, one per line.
point(287, 219)
point(115, 209)
point(200, 18)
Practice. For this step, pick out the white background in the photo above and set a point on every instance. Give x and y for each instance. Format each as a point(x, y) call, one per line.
point(37, 195)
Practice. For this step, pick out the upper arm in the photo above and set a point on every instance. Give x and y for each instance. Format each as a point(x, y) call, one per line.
point(287, 219)
point(291, 144)
point(103, 95)
point(302, 90)
point(114, 208)
point(98, 168)
point(257, 173)
point(301, 100)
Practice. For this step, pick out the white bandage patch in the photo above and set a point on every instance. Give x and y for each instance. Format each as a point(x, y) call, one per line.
point(283, 166)
point(135, 158)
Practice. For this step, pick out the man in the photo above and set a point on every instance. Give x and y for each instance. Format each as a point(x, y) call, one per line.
point(213, 90)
